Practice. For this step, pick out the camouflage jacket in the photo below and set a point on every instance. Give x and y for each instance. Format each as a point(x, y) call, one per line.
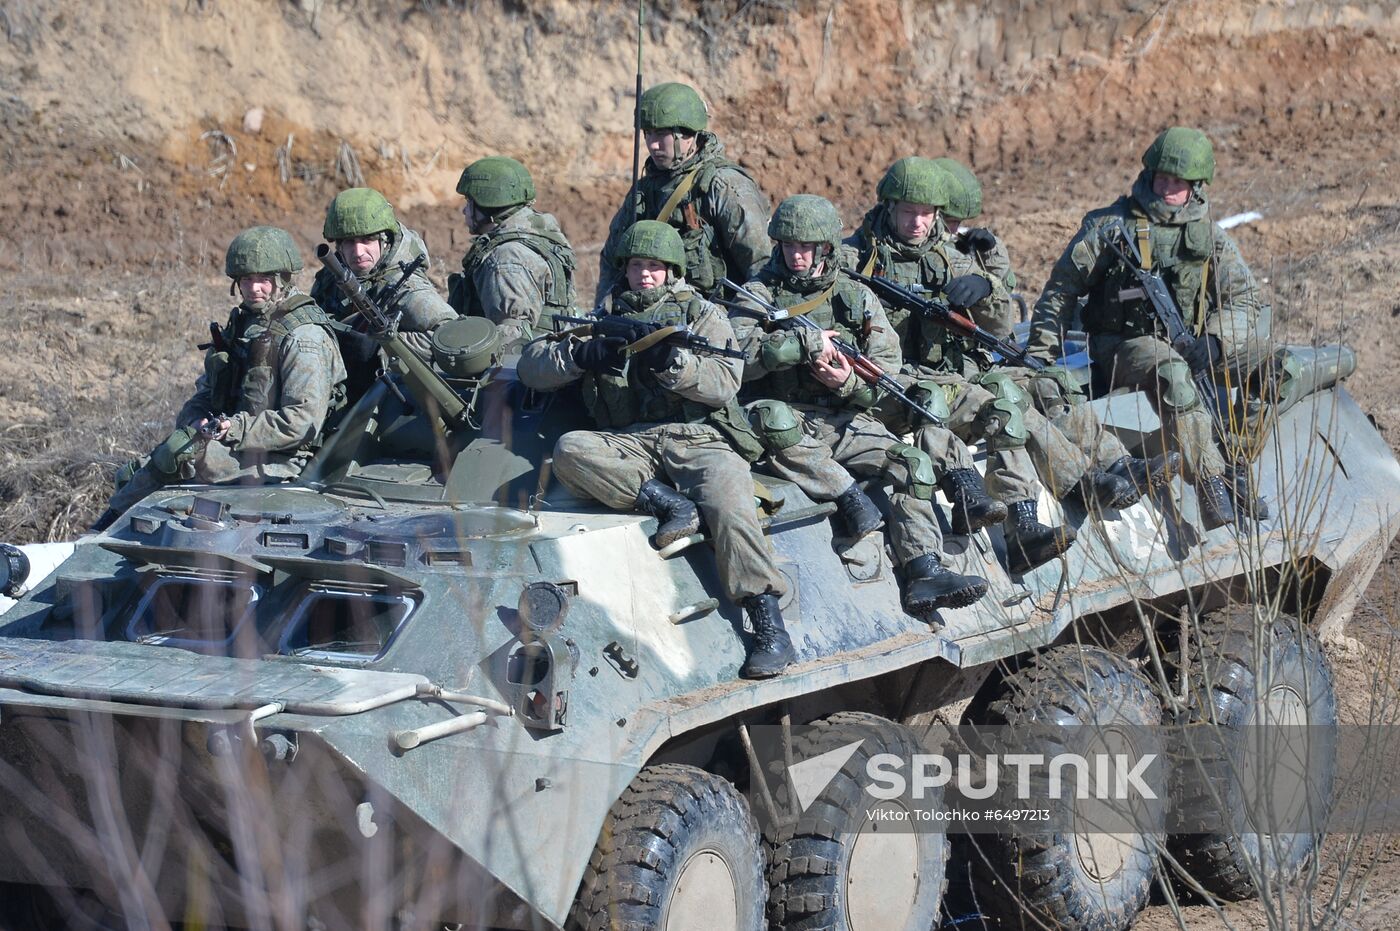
point(874, 250)
point(422, 309)
point(998, 312)
point(689, 391)
point(779, 361)
point(1227, 304)
point(516, 276)
point(277, 378)
point(722, 219)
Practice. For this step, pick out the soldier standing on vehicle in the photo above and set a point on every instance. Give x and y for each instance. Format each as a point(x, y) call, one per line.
point(271, 376)
point(824, 398)
point(667, 418)
point(519, 270)
point(377, 248)
point(689, 183)
point(1167, 218)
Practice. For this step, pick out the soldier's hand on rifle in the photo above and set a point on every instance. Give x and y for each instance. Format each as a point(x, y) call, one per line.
point(1203, 353)
point(976, 240)
point(829, 353)
point(966, 290)
point(599, 354)
point(832, 374)
point(658, 358)
point(213, 429)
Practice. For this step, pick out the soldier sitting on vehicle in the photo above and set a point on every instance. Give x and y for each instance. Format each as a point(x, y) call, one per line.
point(377, 248)
point(689, 183)
point(666, 417)
point(271, 376)
point(1166, 221)
point(899, 241)
point(520, 269)
point(824, 398)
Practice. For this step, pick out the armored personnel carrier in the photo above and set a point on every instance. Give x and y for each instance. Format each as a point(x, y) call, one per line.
point(424, 687)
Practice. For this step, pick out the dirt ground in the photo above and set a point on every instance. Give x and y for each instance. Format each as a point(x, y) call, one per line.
point(129, 163)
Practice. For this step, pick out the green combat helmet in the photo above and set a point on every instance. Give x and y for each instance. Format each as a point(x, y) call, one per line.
point(262, 250)
point(653, 239)
point(496, 182)
point(806, 218)
point(357, 212)
point(916, 180)
point(1183, 152)
point(673, 106)
point(965, 192)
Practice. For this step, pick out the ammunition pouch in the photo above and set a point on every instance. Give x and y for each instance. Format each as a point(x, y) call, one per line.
point(922, 478)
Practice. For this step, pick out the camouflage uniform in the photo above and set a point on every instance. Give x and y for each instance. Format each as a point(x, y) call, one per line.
point(1124, 337)
point(721, 214)
point(662, 424)
point(520, 272)
point(276, 380)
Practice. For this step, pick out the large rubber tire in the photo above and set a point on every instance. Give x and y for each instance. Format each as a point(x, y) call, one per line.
point(1236, 681)
point(676, 848)
point(1039, 880)
point(831, 868)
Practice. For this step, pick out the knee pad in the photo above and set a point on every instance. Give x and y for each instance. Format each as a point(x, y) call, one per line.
point(1002, 420)
point(178, 450)
point(1054, 390)
point(1177, 393)
point(125, 474)
point(931, 396)
point(776, 424)
point(916, 462)
point(778, 354)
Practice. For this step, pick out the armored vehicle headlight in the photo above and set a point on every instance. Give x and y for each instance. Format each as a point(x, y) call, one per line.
point(14, 570)
point(542, 608)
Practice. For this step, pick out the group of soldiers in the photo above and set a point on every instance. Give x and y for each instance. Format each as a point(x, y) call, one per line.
point(808, 396)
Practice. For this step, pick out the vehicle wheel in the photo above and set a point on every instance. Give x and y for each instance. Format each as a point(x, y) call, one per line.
point(1237, 680)
point(679, 851)
point(1064, 878)
point(835, 868)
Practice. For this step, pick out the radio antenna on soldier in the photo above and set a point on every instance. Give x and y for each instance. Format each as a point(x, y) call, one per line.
point(637, 123)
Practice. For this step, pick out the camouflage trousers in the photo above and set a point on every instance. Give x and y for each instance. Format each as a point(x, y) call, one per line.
point(611, 467)
point(214, 464)
point(851, 445)
point(1149, 364)
point(1075, 422)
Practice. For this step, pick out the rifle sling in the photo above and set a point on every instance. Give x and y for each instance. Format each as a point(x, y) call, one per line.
point(812, 303)
point(651, 339)
point(678, 195)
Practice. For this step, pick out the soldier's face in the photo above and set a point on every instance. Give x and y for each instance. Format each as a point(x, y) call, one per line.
point(913, 222)
point(1171, 189)
point(255, 289)
point(802, 256)
point(645, 274)
point(666, 147)
point(360, 254)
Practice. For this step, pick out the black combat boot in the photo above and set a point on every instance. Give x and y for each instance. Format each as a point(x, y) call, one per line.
point(676, 515)
point(1242, 494)
point(772, 647)
point(930, 585)
point(1105, 491)
point(107, 519)
point(1029, 543)
point(1213, 495)
point(857, 512)
point(1148, 474)
point(973, 509)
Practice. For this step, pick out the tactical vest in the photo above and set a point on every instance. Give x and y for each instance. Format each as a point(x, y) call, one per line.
point(408, 247)
point(843, 311)
point(242, 377)
point(922, 343)
point(681, 198)
point(636, 396)
point(1180, 253)
point(539, 237)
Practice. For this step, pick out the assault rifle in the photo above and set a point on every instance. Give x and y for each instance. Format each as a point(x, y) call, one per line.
point(641, 336)
point(948, 318)
point(866, 368)
point(1151, 288)
point(428, 388)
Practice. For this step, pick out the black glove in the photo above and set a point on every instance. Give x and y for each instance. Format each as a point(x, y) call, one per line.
point(599, 354)
point(976, 240)
point(658, 358)
point(965, 290)
point(627, 329)
point(357, 350)
point(1201, 354)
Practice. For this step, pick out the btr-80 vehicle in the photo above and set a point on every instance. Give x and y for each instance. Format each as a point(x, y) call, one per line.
point(423, 686)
